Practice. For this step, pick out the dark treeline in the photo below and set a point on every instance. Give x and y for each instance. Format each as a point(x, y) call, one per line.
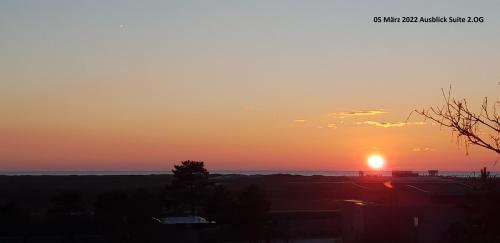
point(132, 208)
point(134, 215)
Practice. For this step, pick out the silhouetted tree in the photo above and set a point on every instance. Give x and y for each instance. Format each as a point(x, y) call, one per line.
point(485, 174)
point(478, 128)
point(188, 186)
point(190, 173)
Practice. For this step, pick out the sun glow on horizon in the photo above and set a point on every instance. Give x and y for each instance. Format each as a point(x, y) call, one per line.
point(376, 161)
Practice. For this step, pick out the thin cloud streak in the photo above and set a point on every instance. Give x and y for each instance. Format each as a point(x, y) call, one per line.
point(358, 113)
point(331, 125)
point(389, 124)
point(423, 149)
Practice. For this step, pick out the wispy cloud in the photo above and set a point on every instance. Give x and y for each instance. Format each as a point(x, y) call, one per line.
point(389, 124)
point(358, 113)
point(331, 125)
point(299, 120)
point(423, 149)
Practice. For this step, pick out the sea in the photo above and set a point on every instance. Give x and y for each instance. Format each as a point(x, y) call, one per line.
point(243, 172)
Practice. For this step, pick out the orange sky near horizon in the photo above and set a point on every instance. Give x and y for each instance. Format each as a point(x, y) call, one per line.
point(263, 86)
point(325, 142)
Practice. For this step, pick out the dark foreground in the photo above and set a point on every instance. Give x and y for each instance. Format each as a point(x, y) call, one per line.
point(273, 208)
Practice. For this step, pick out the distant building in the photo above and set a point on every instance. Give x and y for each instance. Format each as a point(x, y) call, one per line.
point(404, 223)
point(186, 229)
point(433, 172)
point(419, 210)
point(403, 173)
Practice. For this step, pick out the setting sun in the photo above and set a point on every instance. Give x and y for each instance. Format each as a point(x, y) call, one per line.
point(376, 161)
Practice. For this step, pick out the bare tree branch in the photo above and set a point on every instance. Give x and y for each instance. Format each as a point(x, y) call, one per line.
point(481, 129)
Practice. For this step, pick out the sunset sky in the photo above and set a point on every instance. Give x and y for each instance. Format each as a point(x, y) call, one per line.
point(255, 85)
